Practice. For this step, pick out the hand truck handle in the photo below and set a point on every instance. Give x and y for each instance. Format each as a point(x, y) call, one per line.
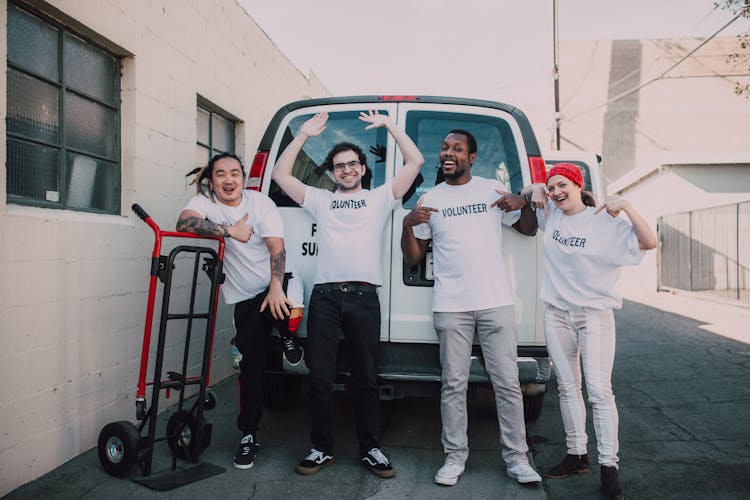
point(139, 211)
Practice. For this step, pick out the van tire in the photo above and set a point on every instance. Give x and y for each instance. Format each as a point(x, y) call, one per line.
point(281, 392)
point(532, 406)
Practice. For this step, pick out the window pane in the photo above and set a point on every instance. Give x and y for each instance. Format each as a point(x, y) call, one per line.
point(32, 107)
point(223, 134)
point(32, 171)
point(92, 184)
point(89, 70)
point(497, 155)
point(202, 121)
point(201, 156)
point(32, 44)
point(90, 126)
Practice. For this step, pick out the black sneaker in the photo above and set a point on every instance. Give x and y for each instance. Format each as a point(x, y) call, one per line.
point(571, 464)
point(378, 464)
point(292, 350)
point(245, 457)
point(611, 484)
point(313, 462)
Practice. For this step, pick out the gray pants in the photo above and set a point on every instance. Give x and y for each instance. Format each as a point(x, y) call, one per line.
point(497, 335)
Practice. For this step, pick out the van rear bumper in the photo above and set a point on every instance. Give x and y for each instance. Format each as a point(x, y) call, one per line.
point(411, 370)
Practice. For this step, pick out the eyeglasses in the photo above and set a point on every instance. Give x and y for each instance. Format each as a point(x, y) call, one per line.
point(338, 167)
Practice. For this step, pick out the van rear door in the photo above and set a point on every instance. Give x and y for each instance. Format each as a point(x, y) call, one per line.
point(501, 155)
point(343, 125)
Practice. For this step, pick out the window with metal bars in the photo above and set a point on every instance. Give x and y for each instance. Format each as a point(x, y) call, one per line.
point(63, 117)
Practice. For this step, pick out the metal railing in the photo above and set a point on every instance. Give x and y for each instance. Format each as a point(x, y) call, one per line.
point(707, 251)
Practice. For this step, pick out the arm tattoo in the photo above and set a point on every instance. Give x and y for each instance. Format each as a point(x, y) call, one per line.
point(278, 265)
point(201, 226)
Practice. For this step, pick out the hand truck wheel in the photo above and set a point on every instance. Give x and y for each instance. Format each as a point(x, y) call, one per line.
point(210, 402)
point(118, 448)
point(182, 429)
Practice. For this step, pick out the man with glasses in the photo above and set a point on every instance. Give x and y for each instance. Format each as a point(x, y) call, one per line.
point(344, 298)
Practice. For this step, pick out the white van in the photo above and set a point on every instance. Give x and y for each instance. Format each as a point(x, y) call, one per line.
point(507, 150)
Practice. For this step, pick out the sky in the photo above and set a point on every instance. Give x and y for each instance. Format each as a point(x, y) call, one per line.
point(492, 49)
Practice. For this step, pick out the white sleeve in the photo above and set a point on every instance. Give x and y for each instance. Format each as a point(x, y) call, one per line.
point(510, 218)
point(626, 250)
point(422, 231)
point(270, 224)
point(198, 204)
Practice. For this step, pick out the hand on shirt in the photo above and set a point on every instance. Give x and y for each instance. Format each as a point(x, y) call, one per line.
point(613, 205)
point(418, 215)
point(240, 230)
point(508, 201)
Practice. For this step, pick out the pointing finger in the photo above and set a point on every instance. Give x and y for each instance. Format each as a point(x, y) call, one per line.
point(601, 207)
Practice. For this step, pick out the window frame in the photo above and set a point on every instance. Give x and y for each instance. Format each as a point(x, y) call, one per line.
point(212, 110)
point(63, 148)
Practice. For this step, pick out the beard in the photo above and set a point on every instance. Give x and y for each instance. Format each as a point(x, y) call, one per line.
point(457, 172)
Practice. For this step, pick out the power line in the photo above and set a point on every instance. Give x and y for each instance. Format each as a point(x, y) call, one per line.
point(662, 74)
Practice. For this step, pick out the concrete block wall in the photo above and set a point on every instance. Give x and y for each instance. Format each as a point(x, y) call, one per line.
point(73, 294)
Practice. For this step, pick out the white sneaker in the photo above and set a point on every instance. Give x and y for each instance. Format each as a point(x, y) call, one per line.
point(449, 473)
point(524, 473)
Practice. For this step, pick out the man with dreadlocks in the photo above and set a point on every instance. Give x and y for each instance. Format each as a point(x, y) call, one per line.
point(254, 264)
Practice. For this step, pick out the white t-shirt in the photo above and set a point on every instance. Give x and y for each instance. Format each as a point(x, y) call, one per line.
point(583, 254)
point(466, 237)
point(247, 266)
point(350, 232)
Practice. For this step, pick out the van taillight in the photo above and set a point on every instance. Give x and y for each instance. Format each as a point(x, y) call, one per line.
point(257, 169)
point(538, 169)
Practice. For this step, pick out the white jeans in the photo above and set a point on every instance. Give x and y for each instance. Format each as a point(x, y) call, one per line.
point(588, 335)
point(496, 329)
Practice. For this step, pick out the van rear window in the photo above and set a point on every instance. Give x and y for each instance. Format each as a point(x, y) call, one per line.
point(497, 153)
point(342, 126)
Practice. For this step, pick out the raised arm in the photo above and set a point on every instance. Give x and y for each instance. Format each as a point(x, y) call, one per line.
point(282, 171)
point(191, 221)
point(276, 301)
point(413, 159)
point(646, 237)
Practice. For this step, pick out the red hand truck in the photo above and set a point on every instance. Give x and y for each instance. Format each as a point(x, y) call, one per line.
point(121, 446)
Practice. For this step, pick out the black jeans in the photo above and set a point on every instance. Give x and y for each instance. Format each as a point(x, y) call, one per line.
point(356, 314)
point(253, 333)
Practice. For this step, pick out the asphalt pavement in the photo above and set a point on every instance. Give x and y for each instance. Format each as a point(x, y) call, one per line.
point(681, 383)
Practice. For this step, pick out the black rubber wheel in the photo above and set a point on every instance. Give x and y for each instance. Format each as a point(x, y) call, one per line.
point(210, 402)
point(182, 428)
point(281, 392)
point(532, 407)
point(140, 409)
point(118, 448)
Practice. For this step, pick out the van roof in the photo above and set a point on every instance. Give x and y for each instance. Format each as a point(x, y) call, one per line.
point(532, 147)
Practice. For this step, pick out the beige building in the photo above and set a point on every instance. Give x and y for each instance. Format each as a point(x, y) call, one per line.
point(671, 140)
point(109, 102)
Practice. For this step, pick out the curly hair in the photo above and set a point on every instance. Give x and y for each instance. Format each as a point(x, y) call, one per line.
point(344, 146)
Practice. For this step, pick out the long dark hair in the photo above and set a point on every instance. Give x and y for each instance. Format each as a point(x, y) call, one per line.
point(588, 198)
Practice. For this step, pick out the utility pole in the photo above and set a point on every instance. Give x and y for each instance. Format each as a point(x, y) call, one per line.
point(556, 73)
